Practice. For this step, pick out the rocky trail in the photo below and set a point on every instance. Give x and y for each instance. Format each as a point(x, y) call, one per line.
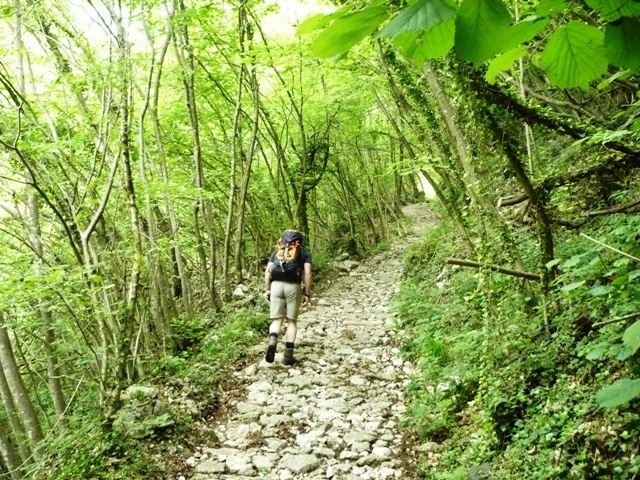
point(335, 413)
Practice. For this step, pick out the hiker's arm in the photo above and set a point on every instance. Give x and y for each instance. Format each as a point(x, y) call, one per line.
point(267, 277)
point(307, 283)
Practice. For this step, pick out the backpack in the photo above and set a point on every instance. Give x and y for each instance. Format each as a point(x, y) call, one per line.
point(287, 260)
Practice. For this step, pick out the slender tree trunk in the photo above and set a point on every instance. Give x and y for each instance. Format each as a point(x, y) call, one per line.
point(470, 178)
point(449, 205)
point(53, 372)
point(244, 188)
point(174, 225)
point(19, 392)
point(126, 320)
point(200, 204)
point(162, 306)
point(13, 417)
point(236, 142)
point(10, 455)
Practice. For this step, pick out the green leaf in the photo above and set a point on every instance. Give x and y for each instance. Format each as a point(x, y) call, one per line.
point(634, 274)
point(550, 7)
point(574, 55)
point(614, 9)
point(619, 393)
point(631, 337)
point(480, 25)
point(622, 74)
point(573, 286)
point(319, 21)
point(483, 30)
point(597, 352)
point(552, 263)
point(311, 24)
point(422, 15)
point(421, 47)
point(501, 63)
point(600, 290)
point(623, 43)
point(348, 30)
point(624, 352)
point(522, 32)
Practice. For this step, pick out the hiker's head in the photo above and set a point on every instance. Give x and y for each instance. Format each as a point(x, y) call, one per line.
point(291, 235)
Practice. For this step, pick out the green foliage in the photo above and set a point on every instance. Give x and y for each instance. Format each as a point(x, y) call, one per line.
point(87, 451)
point(349, 29)
point(483, 29)
point(492, 387)
point(575, 54)
point(619, 393)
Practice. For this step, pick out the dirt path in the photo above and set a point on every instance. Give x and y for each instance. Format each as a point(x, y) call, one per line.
point(335, 413)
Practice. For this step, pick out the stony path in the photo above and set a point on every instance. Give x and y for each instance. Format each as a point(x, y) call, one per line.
point(335, 413)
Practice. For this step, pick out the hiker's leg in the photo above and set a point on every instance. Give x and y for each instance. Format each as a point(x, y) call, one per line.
point(278, 309)
point(292, 331)
point(294, 297)
point(276, 325)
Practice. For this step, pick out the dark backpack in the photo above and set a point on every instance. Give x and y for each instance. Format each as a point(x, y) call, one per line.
point(287, 260)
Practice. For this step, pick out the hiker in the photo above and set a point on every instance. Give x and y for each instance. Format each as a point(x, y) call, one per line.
point(289, 268)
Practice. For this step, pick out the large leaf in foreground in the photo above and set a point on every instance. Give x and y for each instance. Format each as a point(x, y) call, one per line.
point(483, 29)
point(479, 28)
point(631, 337)
point(424, 46)
point(422, 15)
point(619, 393)
point(623, 43)
point(614, 9)
point(574, 55)
point(504, 62)
point(348, 30)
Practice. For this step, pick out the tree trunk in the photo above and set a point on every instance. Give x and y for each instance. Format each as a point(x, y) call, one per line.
point(470, 178)
point(174, 226)
point(53, 372)
point(10, 455)
point(244, 188)
point(19, 392)
point(162, 305)
point(13, 417)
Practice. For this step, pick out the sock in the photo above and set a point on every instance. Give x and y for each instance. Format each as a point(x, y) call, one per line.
point(273, 334)
point(288, 344)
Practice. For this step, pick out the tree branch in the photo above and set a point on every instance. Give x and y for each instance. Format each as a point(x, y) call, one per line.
point(629, 207)
point(495, 268)
point(511, 200)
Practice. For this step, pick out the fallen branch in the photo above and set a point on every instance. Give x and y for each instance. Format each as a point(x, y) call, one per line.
point(617, 319)
point(495, 268)
point(630, 207)
point(511, 200)
point(610, 247)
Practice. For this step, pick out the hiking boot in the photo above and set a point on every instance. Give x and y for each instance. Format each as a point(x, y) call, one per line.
point(271, 349)
point(288, 357)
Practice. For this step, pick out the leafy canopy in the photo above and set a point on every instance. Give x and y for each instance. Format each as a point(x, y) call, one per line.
point(575, 53)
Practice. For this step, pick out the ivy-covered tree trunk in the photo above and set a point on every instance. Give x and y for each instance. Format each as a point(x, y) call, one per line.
point(472, 182)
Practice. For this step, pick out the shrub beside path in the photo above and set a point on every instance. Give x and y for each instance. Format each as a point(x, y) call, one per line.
point(335, 413)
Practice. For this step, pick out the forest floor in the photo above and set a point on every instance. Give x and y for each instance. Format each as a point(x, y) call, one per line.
point(336, 412)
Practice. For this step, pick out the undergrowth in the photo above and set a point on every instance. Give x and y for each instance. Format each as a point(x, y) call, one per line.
point(502, 391)
point(209, 347)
